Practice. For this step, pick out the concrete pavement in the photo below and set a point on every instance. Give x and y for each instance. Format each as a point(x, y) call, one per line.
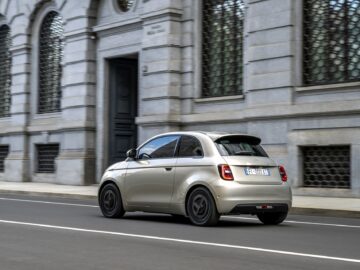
point(332, 206)
point(61, 234)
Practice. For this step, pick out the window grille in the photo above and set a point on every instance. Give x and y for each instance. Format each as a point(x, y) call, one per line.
point(50, 57)
point(46, 155)
point(326, 166)
point(5, 71)
point(222, 47)
point(125, 5)
point(331, 41)
point(4, 151)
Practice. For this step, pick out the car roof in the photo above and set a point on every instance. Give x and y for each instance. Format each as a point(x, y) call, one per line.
point(214, 135)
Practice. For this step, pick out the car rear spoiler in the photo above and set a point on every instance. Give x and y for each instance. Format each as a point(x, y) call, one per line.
point(245, 138)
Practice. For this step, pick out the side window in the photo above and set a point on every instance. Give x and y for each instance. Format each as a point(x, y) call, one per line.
point(190, 147)
point(163, 147)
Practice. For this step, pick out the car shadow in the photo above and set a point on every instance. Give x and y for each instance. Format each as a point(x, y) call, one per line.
point(183, 220)
point(157, 218)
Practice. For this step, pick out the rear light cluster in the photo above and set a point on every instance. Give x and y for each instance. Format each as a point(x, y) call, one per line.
point(225, 172)
point(282, 172)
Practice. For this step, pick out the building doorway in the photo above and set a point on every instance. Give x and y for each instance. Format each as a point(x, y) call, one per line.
point(123, 92)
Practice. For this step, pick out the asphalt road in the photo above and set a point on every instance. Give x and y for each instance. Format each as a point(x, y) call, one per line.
point(46, 233)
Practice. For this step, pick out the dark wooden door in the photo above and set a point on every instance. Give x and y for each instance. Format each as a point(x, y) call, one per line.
point(123, 107)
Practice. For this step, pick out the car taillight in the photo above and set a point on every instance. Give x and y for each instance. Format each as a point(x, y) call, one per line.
point(225, 172)
point(283, 173)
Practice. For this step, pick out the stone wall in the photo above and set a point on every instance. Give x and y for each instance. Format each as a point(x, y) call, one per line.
point(165, 36)
point(74, 127)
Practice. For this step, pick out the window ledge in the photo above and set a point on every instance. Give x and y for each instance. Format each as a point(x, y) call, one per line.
point(217, 99)
point(325, 192)
point(328, 87)
point(5, 119)
point(47, 115)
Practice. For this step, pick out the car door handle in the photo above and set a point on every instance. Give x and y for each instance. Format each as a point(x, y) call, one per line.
point(168, 168)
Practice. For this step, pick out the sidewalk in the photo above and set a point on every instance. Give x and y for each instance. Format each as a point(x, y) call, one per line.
point(52, 190)
point(332, 206)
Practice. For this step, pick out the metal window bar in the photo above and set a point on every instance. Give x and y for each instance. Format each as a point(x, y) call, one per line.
point(326, 166)
point(331, 34)
point(222, 47)
point(4, 151)
point(5, 71)
point(46, 155)
point(51, 51)
point(125, 5)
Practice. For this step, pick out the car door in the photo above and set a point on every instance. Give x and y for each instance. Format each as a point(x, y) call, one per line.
point(190, 165)
point(150, 177)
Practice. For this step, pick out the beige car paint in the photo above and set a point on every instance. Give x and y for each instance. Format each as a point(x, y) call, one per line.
point(146, 185)
point(149, 183)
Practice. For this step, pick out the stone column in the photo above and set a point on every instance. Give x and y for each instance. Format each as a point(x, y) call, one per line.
point(269, 52)
point(355, 169)
point(76, 161)
point(160, 67)
point(17, 162)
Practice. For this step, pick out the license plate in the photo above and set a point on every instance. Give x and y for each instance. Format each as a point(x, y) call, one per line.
point(257, 171)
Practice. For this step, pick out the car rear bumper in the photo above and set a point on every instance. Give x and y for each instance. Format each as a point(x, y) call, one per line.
point(232, 197)
point(259, 208)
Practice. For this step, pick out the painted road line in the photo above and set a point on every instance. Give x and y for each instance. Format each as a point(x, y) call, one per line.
point(176, 240)
point(224, 217)
point(300, 222)
point(47, 202)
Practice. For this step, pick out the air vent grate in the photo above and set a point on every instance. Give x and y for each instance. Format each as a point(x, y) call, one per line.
point(4, 151)
point(46, 154)
point(326, 166)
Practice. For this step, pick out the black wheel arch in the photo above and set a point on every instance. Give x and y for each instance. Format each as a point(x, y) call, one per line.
point(191, 189)
point(106, 182)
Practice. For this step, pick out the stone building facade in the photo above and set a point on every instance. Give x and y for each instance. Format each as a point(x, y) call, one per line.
point(81, 81)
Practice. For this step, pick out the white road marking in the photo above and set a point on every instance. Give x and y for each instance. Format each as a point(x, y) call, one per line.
point(224, 217)
point(46, 202)
point(301, 222)
point(201, 243)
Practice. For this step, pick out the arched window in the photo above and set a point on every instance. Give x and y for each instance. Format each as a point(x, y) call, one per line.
point(222, 47)
point(51, 47)
point(5, 71)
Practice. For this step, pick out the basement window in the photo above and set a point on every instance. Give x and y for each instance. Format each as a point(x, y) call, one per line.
point(46, 155)
point(4, 151)
point(326, 166)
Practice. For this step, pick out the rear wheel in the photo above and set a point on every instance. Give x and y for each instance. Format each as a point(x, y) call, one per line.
point(272, 218)
point(110, 201)
point(201, 208)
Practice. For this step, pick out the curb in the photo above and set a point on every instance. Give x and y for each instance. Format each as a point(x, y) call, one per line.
point(324, 212)
point(48, 194)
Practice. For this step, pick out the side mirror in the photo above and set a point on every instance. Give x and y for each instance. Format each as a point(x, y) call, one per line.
point(131, 153)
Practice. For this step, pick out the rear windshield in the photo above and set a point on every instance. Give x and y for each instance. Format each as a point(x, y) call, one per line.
point(240, 146)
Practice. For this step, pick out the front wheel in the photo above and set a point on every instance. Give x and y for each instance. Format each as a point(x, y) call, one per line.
point(201, 208)
point(272, 218)
point(110, 201)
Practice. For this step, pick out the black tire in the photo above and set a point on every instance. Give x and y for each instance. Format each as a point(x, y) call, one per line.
point(272, 218)
point(201, 208)
point(110, 201)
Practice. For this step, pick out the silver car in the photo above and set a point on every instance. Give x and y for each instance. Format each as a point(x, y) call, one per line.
point(199, 175)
